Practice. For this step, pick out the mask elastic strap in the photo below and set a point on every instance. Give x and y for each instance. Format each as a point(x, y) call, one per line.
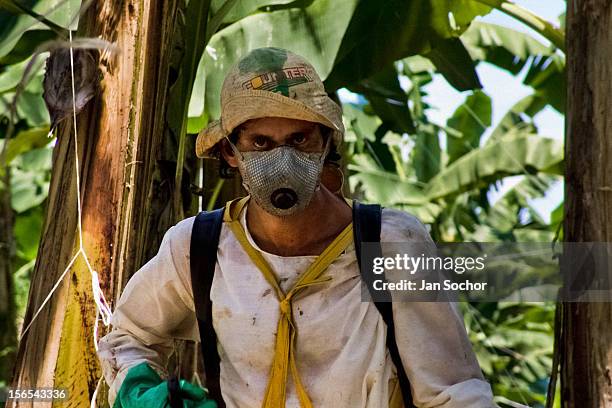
point(234, 148)
point(326, 149)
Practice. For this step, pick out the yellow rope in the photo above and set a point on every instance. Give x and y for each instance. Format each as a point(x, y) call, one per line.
point(284, 355)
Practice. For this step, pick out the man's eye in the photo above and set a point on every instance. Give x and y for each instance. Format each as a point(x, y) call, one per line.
point(299, 138)
point(260, 142)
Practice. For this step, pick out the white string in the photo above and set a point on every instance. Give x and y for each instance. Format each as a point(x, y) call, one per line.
point(23, 332)
point(101, 304)
point(102, 307)
point(92, 404)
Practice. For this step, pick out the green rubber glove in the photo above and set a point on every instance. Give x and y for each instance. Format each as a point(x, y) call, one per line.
point(144, 388)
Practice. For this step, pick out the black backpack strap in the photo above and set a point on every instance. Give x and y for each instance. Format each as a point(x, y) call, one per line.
point(367, 220)
point(203, 258)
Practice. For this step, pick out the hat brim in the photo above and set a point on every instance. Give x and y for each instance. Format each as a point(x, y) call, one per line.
point(253, 104)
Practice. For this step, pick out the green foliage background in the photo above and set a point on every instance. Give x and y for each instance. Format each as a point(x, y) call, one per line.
point(395, 155)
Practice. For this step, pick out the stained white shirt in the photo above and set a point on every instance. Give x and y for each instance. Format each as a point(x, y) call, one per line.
point(341, 353)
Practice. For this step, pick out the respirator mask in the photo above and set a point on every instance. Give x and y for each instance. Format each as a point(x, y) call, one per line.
point(281, 180)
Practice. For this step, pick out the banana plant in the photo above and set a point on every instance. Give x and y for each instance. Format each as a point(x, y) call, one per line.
point(442, 173)
point(514, 52)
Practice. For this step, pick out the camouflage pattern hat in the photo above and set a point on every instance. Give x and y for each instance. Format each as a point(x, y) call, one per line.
point(271, 82)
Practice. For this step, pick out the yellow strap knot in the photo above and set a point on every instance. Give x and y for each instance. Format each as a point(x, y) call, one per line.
point(285, 307)
point(284, 351)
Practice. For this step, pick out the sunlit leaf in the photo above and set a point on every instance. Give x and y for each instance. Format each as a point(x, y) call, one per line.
point(32, 107)
point(517, 155)
point(470, 119)
point(26, 140)
point(513, 50)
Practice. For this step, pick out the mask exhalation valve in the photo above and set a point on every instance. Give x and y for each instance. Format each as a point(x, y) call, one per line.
point(284, 198)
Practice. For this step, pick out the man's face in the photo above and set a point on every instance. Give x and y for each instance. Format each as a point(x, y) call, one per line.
point(267, 133)
point(280, 161)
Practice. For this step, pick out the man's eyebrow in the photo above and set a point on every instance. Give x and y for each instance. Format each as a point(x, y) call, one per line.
point(260, 135)
point(305, 130)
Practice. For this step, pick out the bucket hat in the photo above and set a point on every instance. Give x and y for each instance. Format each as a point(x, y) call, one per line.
point(271, 82)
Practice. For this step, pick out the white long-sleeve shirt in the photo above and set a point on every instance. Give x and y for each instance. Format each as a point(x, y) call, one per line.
point(341, 353)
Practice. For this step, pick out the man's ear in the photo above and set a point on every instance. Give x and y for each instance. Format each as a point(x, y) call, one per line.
point(227, 153)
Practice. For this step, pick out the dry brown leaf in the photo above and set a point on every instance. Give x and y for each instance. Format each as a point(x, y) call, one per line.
point(58, 86)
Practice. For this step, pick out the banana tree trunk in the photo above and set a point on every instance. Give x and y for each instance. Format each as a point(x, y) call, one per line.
point(125, 166)
point(586, 376)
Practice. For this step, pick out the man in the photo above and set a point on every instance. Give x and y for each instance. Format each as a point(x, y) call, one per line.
point(287, 311)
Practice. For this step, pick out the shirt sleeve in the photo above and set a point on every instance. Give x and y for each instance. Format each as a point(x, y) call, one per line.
point(155, 308)
point(431, 337)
